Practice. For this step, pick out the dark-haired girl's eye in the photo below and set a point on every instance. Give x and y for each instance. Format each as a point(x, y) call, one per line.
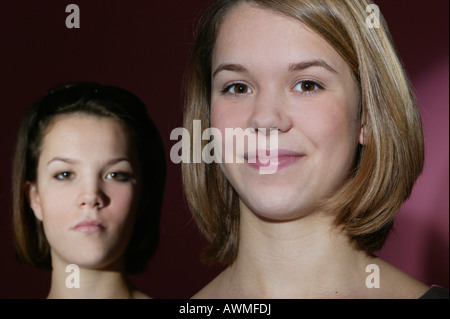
point(66, 175)
point(118, 176)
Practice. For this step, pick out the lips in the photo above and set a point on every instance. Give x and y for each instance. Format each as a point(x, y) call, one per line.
point(277, 159)
point(89, 226)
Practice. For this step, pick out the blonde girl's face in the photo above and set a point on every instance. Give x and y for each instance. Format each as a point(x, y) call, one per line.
point(87, 190)
point(270, 71)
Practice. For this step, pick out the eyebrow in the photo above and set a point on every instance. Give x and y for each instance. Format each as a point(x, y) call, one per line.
point(230, 67)
point(74, 161)
point(311, 63)
point(292, 67)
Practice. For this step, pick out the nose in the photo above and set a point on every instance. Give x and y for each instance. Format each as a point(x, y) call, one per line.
point(270, 112)
point(92, 195)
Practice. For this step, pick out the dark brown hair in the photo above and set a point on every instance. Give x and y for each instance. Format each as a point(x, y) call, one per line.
point(95, 100)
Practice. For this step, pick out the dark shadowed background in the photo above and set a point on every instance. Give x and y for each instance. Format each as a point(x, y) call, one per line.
point(143, 46)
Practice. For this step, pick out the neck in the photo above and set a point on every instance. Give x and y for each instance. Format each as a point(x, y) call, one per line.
point(304, 258)
point(85, 283)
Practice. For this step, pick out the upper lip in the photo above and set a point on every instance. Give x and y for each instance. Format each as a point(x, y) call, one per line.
point(271, 153)
point(90, 222)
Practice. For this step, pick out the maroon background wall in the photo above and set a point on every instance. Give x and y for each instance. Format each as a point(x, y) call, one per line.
point(142, 46)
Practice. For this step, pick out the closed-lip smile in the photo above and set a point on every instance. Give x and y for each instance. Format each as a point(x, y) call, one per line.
point(89, 226)
point(280, 158)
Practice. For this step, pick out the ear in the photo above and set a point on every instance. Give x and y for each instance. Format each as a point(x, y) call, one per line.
point(362, 135)
point(34, 199)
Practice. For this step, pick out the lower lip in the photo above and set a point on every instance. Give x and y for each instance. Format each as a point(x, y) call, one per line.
point(278, 163)
point(88, 229)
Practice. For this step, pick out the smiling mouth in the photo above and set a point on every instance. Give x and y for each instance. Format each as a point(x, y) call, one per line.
point(277, 159)
point(89, 227)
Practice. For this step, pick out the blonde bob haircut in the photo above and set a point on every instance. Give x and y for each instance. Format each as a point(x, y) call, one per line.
point(386, 166)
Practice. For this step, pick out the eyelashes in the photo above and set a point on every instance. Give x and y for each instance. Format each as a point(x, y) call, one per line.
point(66, 175)
point(237, 88)
point(307, 87)
point(304, 87)
point(118, 176)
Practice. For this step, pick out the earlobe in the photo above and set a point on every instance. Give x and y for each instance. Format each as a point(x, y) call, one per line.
point(362, 133)
point(34, 199)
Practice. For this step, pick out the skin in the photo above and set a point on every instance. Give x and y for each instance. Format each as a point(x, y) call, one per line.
point(87, 170)
point(288, 247)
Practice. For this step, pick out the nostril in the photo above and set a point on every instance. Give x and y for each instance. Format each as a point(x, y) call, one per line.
point(92, 200)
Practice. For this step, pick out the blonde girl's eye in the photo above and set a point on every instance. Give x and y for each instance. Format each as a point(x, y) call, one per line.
point(118, 176)
point(307, 87)
point(237, 89)
point(66, 175)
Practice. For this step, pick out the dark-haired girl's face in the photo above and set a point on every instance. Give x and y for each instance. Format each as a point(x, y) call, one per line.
point(87, 190)
point(271, 72)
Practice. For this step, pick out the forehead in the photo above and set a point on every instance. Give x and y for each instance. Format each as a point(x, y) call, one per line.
point(72, 122)
point(75, 132)
point(258, 35)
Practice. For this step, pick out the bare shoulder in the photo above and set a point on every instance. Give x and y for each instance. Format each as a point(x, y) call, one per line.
point(394, 283)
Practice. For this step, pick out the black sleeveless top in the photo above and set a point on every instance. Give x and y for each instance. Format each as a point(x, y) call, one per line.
point(435, 292)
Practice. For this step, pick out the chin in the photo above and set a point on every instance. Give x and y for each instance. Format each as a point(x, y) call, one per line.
point(277, 208)
point(91, 258)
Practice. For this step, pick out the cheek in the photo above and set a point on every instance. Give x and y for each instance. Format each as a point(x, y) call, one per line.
point(57, 217)
point(224, 116)
point(124, 201)
point(225, 144)
point(218, 117)
point(55, 203)
point(231, 121)
point(332, 124)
